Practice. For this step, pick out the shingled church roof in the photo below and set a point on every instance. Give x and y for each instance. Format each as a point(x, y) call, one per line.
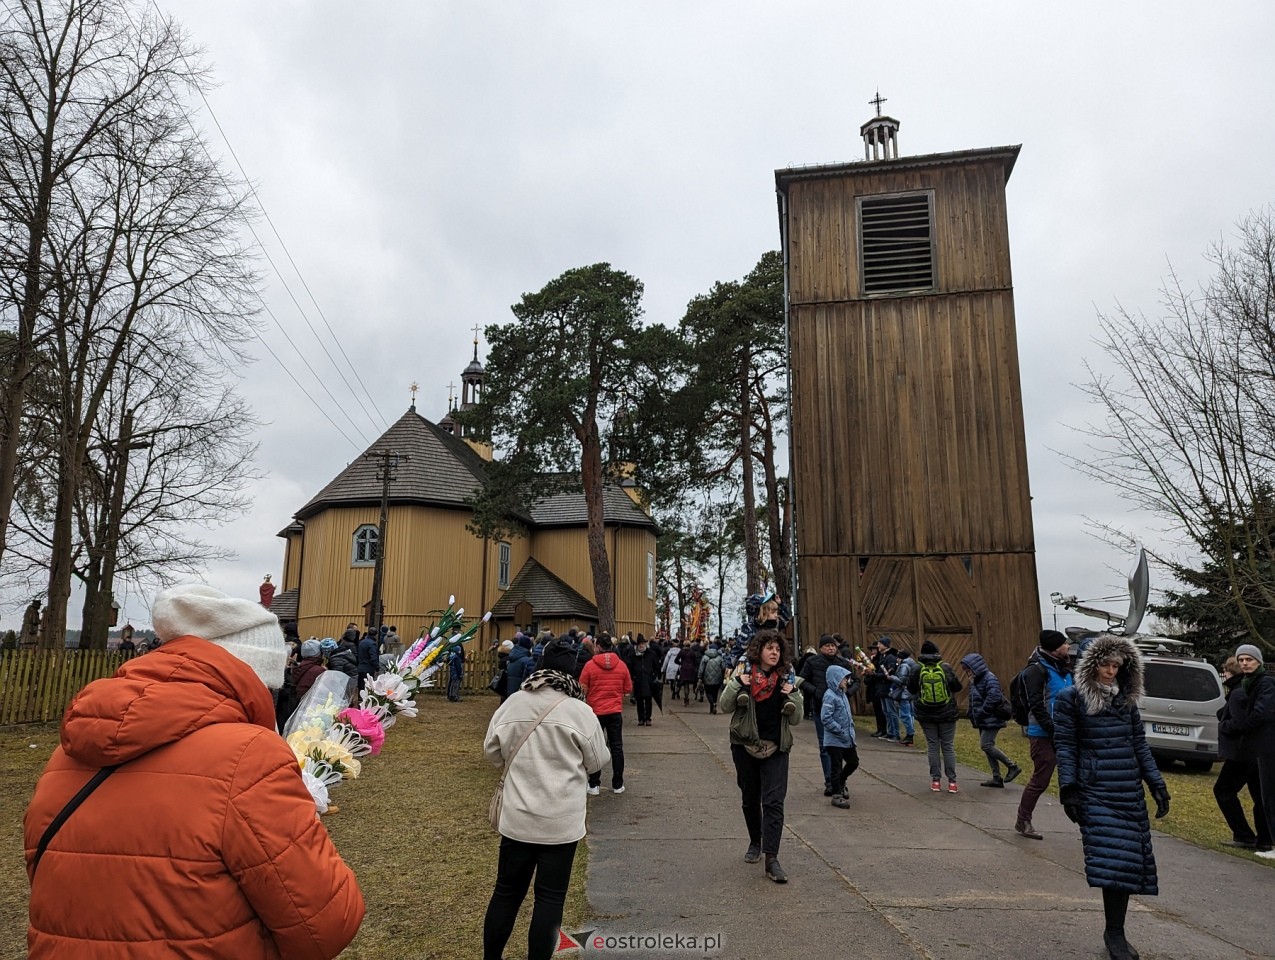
point(548, 594)
point(437, 468)
point(434, 467)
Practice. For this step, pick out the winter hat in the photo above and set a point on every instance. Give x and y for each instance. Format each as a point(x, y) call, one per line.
point(242, 627)
point(929, 647)
point(327, 644)
point(1249, 650)
point(311, 648)
point(826, 639)
point(560, 655)
point(1051, 640)
point(525, 642)
point(506, 646)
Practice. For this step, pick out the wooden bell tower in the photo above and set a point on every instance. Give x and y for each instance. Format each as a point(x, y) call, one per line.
point(908, 459)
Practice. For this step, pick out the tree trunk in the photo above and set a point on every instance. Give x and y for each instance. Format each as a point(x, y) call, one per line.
point(780, 555)
point(15, 390)
point(752, 551)
point(53, 636)
point(599, 562)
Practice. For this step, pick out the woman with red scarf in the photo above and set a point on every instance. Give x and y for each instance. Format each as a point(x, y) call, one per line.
point(763, 695)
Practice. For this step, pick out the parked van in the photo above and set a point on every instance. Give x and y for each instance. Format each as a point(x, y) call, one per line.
point(1179, 709)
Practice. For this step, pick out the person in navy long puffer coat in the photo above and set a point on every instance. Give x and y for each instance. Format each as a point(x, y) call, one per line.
point(984, 713)
point(1103, 760)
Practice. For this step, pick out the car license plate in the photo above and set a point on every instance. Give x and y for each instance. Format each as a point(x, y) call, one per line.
point(1172, 729)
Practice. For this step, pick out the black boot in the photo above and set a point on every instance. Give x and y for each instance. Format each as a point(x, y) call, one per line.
point(1118, 947)
point(774, 870)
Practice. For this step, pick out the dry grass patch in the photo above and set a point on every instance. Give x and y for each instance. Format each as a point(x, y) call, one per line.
point(413, 827)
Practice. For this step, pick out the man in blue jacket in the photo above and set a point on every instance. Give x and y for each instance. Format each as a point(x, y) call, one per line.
point(1048, 673)
point(369, 659)
point(519, 665)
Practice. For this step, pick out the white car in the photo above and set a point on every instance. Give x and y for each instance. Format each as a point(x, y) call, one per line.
point(1179, 709)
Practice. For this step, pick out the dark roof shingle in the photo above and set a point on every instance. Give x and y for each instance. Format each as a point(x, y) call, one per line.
point(434, 467)
point(547, 593)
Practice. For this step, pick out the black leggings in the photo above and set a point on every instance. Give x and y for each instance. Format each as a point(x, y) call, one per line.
point(551, 864)
point(1115, 904)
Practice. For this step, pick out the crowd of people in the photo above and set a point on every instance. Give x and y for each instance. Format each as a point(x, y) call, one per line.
point(200, 700)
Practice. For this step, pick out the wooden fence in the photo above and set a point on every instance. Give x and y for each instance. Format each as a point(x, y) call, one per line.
point(37, 685)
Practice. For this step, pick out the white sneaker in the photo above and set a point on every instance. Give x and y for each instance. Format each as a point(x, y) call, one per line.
point(593, 791)
point(619, 789)
point(1266, 854)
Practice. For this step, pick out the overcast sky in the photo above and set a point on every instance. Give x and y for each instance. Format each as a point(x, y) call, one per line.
point(427, 163)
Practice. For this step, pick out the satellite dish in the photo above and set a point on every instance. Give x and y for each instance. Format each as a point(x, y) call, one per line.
point(1139, 587)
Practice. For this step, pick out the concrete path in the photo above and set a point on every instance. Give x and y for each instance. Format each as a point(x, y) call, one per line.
point(903, 873)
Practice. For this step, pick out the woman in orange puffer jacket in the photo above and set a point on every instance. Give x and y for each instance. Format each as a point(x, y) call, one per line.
point(204, 842)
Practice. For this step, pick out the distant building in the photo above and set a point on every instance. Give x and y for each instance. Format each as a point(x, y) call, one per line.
point(541, 579)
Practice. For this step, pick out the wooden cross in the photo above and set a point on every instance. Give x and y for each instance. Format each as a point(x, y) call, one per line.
point(877, 101)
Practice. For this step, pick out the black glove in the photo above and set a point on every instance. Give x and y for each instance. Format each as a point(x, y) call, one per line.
point(1161, 803)
point(1070, 796)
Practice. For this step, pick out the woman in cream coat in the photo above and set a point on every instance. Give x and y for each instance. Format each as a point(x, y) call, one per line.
point(542, 813)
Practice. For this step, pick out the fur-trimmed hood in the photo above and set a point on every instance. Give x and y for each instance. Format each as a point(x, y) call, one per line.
point(1128, 679)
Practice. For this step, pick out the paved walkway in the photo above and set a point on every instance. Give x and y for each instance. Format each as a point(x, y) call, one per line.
point(903, 873)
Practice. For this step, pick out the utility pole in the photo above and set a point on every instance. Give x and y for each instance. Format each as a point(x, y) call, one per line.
point(386, 472)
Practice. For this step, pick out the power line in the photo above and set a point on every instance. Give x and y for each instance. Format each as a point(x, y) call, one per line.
point(257, 199)
point(304, 391)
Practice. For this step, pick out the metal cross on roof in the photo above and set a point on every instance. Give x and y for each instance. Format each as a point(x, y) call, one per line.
point(451, 392)
point(877, 101)
point(414, 387)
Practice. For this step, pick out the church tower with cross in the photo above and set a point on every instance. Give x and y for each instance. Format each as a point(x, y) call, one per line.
point(910, 495)
point(537, 576)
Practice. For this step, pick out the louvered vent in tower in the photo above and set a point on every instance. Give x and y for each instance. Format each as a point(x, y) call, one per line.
point(896, 248)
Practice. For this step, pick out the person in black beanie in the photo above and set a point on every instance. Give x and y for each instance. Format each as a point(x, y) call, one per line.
point(1047, 674)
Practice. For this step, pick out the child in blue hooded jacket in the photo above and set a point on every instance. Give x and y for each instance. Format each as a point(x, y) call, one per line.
point(838, 733)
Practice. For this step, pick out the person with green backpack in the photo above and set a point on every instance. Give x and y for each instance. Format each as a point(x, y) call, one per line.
point(934, 686)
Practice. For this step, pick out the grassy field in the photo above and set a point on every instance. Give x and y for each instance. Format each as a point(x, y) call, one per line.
point(413, 827)
point(1193, 813)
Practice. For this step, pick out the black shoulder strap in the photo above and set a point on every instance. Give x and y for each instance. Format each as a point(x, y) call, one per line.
point(94, 782)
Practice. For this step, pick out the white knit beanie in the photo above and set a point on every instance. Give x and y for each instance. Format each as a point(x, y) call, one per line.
point(241, 627)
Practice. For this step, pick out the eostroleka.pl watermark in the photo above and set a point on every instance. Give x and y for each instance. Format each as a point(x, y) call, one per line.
point(646, 944)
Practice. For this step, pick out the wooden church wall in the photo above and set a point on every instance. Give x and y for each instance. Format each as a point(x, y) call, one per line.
point(970, 224)
point(989, 609)
point(293, 561)
point(925, 387)
point(634, 610)
point(431, 555)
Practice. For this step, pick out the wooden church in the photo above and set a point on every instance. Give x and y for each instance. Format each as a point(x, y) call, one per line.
point(908, 459)
point(539, 579)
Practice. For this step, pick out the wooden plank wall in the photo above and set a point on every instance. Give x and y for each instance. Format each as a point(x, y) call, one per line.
point(990, 610)
point(907, 420)
point(971, 229)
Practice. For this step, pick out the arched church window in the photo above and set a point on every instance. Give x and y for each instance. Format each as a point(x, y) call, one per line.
point(366, 540)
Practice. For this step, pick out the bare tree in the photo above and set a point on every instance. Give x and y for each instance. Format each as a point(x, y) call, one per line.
point(1188, 428)
point(77, 81)
point(128, 231)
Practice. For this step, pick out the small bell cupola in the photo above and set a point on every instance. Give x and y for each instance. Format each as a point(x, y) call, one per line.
point(880, 134)
point(472, 378)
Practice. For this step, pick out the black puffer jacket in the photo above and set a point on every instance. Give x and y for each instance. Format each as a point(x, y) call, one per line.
point(1103, 753)
point(1250, 718)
